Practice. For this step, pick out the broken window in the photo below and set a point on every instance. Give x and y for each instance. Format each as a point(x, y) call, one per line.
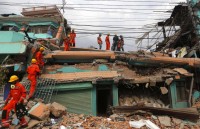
point(9, 28)
point(181, 91)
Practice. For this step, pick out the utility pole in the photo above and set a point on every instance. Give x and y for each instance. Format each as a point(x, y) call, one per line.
point(63, 3)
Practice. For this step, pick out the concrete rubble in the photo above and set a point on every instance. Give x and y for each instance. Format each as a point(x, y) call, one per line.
point(148, 101)
point(55, 116)
point(57, 110)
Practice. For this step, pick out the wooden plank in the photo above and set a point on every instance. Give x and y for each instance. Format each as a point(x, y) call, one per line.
point(168, 60)
point(71, 55)
point(178, 113)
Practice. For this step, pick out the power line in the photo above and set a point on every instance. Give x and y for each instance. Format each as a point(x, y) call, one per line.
point(108, 26)
point(129, 5)
point(127, 1)
point(102, 11)
point(111, 8)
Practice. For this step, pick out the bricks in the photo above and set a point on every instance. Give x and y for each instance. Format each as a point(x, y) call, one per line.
point(57, 109)
point(40, 111)
point(32, 123)
point(163, 90)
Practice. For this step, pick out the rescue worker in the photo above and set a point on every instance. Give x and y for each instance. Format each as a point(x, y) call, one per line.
point(67, 43)
point(115, 42)
point(121, 42)
point(99, 41)
point(17, 96)
point(39, 57)
point(107, 40)
point(33, 72)
point(72, 38)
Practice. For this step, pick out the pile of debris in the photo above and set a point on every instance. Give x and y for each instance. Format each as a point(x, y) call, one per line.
point(148, 101)
point(55, 116)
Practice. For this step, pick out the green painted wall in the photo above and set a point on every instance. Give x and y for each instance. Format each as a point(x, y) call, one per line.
point(11, 36)
point(94, 100)
point(115, 95)
point(12, 48)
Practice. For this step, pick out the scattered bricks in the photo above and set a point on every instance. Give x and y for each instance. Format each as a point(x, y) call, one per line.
point(176, 121)
point(57, 109)
point(40, 111)
point(177, 77)
point(38, 100)
point(76, 118)
point(113, 116)
point(81, 116)
point(169, 81)
point(165, 120)
point(164, 90)
point(32, 123)
point(128, 101)
point(14, 127)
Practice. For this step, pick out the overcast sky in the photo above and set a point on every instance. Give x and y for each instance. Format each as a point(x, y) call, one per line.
point(124, 17)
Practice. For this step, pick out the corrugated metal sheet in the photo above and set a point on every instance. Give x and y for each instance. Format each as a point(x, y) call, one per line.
point(76, 101)
point(72, 86)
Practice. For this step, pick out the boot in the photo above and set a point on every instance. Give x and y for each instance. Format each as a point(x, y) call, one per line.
point(23, 122)
point(5, 123)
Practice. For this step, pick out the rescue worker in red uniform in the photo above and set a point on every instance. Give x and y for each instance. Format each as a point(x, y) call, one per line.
point(39, 57)
point(107, 40)
point(99, 41)
point(72, 38)
point(67, 43)
point(33, 72)
point(17, 96)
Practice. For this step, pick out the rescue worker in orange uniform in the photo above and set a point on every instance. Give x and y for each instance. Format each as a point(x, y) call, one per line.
point(99, 41)
point(33, 72)
point(72, 38)
point(107, 40)
point(39, 57)
point(16, 97)
point(67, 43)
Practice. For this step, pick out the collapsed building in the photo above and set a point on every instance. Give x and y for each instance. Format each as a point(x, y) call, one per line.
point(93, 81)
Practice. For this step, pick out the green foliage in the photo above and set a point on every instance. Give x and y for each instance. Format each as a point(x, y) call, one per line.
point(3, 75)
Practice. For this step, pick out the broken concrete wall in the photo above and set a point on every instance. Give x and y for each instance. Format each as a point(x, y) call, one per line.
point(150, 96)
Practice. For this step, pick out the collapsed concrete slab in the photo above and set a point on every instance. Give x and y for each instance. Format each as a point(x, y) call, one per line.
point(40, 111)
point(57, 109)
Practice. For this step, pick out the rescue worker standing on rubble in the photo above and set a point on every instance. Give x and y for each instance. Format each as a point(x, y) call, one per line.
point(99, 41)
point(107, 40)
point(67, 43)
point(72, 38)
point(16, 97)
point(39, 57)
point(33, 72)
point(121, 43)
point(115, 42)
